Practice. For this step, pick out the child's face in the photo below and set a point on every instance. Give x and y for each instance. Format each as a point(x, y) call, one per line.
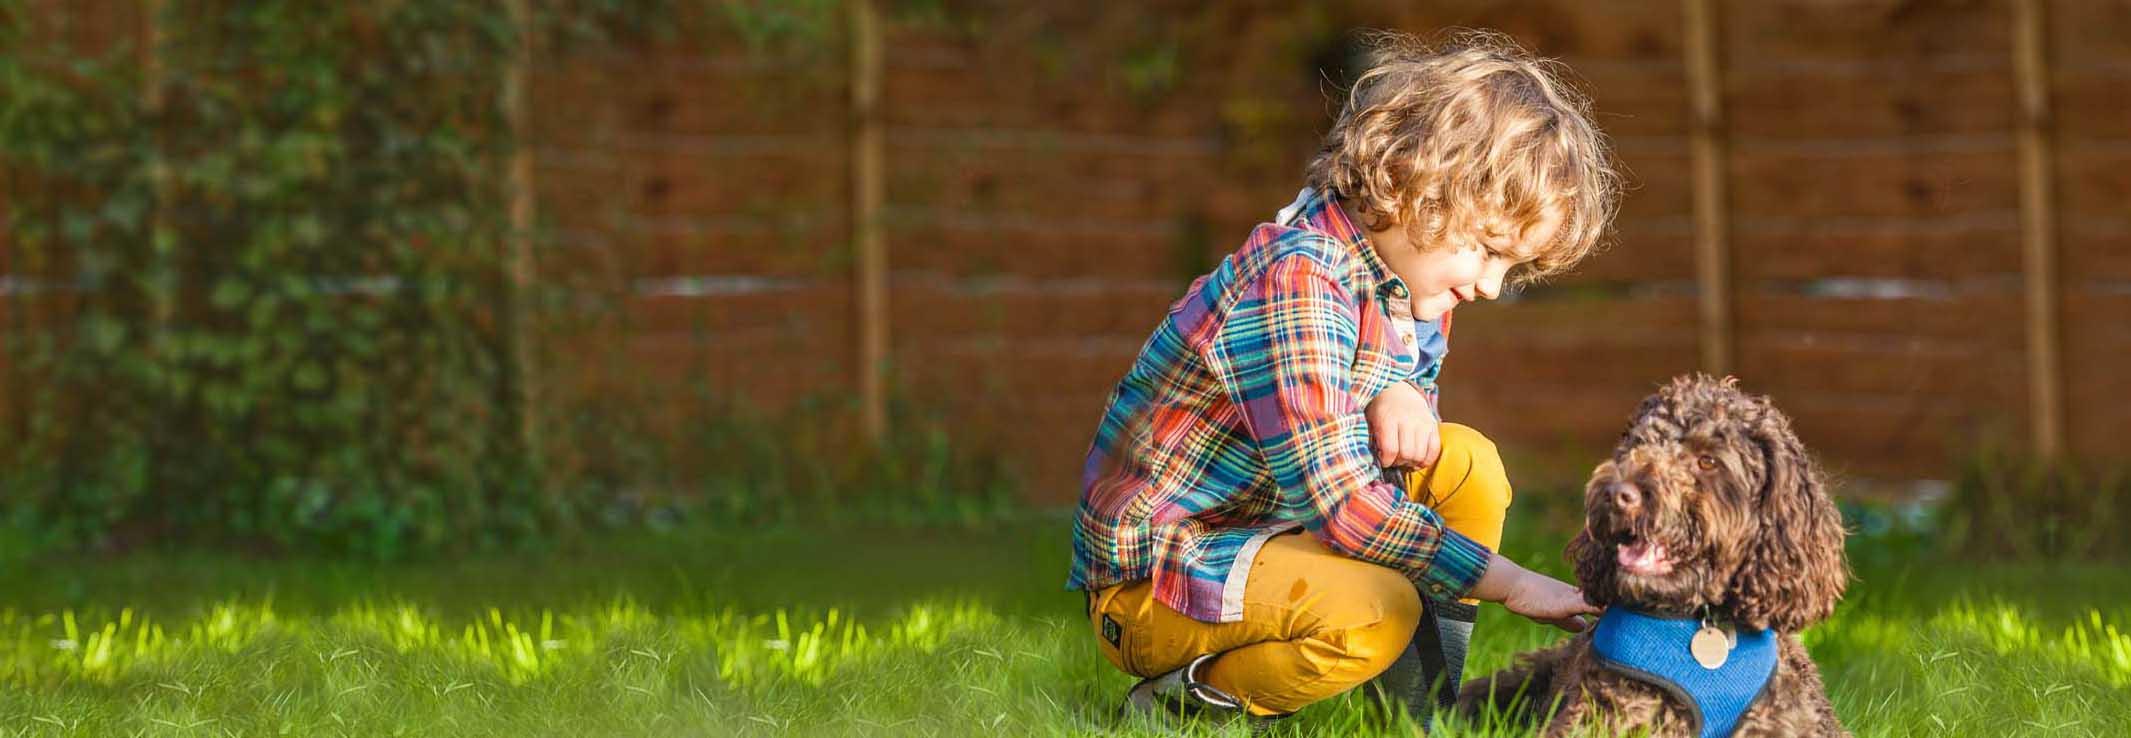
point(1438, 279)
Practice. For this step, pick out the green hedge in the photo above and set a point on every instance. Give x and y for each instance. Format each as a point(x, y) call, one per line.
point(258, 295)
point(265, 309)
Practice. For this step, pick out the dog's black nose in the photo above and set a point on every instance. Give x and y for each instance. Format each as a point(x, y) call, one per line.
point(1626, 496)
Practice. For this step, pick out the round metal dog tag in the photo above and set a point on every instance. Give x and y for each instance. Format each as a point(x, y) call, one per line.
point(1711, 647)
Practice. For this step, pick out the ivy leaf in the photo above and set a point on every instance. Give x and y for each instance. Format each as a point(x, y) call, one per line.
point(310, 376)
point(125, 210)
point(229, 293)
point(105, 333)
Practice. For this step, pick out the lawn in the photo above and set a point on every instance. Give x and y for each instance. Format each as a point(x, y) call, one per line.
point(867, 632)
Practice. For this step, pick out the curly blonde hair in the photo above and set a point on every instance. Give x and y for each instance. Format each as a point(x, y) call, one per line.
point(1474, 140)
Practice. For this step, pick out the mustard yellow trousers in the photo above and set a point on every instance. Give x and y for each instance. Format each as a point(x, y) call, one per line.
point(1315, 623)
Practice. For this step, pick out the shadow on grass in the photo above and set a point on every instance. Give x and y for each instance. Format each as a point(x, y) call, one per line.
point(1016, 567)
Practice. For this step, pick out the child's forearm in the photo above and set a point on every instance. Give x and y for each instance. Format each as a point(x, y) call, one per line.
point(1501, 577)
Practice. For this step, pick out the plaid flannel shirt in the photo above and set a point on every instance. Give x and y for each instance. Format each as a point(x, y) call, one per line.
point(1242, 419)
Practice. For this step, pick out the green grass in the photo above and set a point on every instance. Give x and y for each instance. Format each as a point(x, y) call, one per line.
point(868, 632)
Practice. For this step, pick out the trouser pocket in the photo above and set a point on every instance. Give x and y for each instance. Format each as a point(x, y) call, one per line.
point(1114, 634)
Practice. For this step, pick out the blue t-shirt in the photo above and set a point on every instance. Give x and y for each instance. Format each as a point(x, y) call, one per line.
point(1430, 345)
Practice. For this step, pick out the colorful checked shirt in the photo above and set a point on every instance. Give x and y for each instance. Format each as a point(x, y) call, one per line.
point(1242, 419)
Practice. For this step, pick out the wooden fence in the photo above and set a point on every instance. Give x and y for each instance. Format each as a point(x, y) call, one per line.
point(1906, 221)
point(1887, 215)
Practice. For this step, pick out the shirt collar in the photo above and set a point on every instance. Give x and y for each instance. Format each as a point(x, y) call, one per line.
point(1324, 215)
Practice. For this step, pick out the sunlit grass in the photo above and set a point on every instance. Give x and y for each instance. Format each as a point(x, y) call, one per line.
point(828, 647)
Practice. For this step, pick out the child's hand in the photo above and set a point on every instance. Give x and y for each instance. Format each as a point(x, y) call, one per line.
point(1533, 595)
point(1402, 428)
point(1551, 601)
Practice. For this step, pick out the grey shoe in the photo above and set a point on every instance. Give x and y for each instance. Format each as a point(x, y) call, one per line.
point(1425, 678)
point(1179, 697)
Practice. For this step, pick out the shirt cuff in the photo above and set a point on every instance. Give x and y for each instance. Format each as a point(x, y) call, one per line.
point(1459, 562)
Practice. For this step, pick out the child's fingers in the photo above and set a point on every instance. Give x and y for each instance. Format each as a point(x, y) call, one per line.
point(1583, 607)
point(1387, 445)
point(1572, 623)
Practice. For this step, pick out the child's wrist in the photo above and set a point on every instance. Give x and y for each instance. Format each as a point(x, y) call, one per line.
point(1501, 581)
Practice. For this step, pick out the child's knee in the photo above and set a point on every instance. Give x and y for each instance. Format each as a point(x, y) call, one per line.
point(1470, 473)
point(1467, 486)
point(1465, 436)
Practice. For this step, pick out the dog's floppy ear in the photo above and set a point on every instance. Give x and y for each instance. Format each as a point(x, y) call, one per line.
point(1594, 569)
point(1794, 570)
point(1594, 565)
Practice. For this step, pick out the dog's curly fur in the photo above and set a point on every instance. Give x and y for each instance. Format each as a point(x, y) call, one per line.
point(1720, 481)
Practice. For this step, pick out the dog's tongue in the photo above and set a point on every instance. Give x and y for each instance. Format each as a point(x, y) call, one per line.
point(1645, 558)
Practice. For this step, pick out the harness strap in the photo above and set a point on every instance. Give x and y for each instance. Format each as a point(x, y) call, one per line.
point(1655, 649)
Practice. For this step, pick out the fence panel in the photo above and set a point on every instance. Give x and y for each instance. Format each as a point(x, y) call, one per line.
point(2090, 45)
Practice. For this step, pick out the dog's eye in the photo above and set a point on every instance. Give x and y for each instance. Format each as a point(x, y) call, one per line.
point(1705, 463)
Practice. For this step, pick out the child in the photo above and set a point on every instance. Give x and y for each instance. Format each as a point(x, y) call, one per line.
point(1238, 543)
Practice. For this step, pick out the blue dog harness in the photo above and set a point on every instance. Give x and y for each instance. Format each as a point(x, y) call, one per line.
point(1655, 649)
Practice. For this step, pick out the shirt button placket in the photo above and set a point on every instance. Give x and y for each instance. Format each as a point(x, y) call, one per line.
point(1402, 314)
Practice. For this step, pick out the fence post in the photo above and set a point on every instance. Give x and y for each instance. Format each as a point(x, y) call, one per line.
point(866, 197)
point(164, 301)
point(163, 278)
point(519, 265)
point(1712, 257)
point(2038, 231)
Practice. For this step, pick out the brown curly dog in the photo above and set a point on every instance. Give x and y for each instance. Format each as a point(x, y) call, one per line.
point(1709, 510)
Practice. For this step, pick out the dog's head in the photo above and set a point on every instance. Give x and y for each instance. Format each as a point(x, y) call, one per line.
point(1710, 501)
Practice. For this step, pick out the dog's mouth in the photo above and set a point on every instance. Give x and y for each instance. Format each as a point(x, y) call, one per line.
point(1643, 557)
